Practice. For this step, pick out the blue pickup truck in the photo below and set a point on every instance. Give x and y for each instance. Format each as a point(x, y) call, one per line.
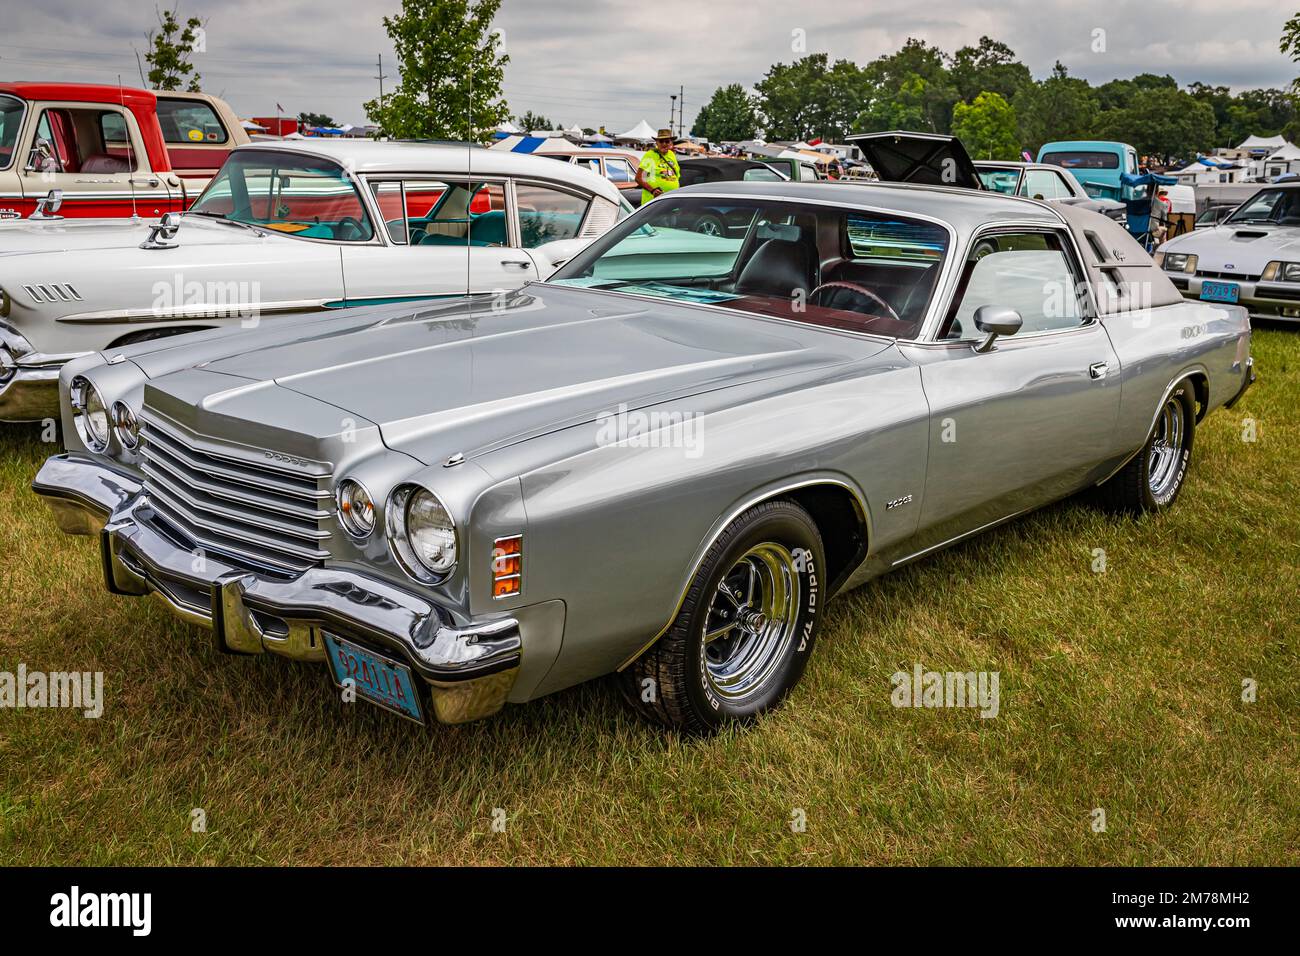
point(1097, 165)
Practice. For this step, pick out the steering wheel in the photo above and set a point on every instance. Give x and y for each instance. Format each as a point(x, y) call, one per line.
point(350, 223)
point(862, 291)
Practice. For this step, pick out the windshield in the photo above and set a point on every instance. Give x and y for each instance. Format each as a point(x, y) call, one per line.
point(844, 268)
point(1279, 207)
point(1000, 180)
point(1082, 159)
point(297, 195)
point(11, 115)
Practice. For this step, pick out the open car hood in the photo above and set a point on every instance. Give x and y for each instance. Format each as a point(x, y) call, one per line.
point(927, 159)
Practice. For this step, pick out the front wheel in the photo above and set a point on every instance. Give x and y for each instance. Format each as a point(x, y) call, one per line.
point(1154, 476)
point(745, 631)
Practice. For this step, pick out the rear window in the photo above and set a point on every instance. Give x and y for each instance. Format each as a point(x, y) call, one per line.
point(190, 122)
point(1082, 159)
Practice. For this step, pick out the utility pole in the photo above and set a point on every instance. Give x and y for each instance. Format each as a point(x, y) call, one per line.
point(381, 77)
point(681, 112)
point(672, 111)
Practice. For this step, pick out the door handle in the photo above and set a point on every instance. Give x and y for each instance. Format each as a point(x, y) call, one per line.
point(1098, 369)
point(519, 263)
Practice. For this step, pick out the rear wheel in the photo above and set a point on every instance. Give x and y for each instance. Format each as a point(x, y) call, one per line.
point(745, 631)
point(1154, 476)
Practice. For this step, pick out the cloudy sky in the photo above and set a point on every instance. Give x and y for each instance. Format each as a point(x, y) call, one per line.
point(614, 62)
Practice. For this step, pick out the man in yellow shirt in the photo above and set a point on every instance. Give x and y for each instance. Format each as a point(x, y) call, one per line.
point(659, 171)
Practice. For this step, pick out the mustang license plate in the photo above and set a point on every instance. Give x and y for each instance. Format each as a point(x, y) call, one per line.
point(1220, 291)
point(378, 679)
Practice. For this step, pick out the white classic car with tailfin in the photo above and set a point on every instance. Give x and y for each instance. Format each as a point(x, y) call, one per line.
point(286, 228)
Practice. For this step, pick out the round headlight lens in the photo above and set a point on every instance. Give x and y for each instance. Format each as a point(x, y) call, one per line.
point(431, 532)
point(356, 508)
point(126, 426)
point(91, 413)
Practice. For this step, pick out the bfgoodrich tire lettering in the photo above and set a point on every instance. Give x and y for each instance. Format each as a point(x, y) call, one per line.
point(1154, 476)
point(746, 629)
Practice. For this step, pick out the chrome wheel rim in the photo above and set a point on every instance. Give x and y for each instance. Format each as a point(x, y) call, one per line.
point(751, 621)
point(1166, 449)
point(708, 227)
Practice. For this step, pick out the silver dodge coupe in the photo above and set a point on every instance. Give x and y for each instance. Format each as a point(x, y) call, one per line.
point(662, 462)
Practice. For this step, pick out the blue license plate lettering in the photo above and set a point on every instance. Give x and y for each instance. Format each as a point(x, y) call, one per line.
point(1220, 291)
point(377, 679)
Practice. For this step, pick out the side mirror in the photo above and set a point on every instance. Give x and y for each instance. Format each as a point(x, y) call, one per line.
point(42, 152)
point(995, 320)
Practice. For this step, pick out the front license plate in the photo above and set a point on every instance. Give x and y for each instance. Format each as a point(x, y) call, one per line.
point(1220, 291)
point(378, 679)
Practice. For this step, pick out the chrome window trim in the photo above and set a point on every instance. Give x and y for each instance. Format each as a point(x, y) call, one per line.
point(504, 182)
point(1091, 315)
point(357, 185)
point(574, 191)
point(22, 128)
point(940, 293)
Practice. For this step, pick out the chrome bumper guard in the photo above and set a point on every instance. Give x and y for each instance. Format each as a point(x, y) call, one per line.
point(28, 393)
point(469, 669)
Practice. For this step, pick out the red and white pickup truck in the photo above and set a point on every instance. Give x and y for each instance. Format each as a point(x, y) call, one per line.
point(110, 151)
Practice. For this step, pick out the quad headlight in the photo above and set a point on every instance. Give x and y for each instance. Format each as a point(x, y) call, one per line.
point(422, 533)
point(1281, 272)
point(356, 508)
point(126, 426)
point(1176, 261)
point(90, 414)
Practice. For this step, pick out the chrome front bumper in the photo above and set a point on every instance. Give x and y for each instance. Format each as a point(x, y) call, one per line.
point(1277, 301)
point(469, 668)
point(28, 393)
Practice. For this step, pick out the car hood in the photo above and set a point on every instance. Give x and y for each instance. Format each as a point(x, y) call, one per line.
point(471, 376)
point(25, 237)
point(1238, 248)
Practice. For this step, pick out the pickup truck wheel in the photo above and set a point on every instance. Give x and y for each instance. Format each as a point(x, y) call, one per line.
point(1154, 476)
point(745, 631)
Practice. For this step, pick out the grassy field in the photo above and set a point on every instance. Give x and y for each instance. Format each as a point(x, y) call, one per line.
point(1120, 691)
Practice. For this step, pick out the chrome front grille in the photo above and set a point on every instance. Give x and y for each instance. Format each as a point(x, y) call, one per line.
point(258, 516)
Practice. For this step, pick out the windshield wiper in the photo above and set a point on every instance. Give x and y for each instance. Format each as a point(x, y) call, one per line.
point(221, 217)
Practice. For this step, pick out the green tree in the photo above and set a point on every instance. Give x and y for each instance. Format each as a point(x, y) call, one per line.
point(906, 108)
point(987, 127)
point(1061, 107)
point(170, 49)
point(451, 68)
point(810, 98)
point(1158, 122)
point(990, 67)
point(1290, 45)
point(533, 121)
point(316, 119)
point(730, 114)
point(908, 89)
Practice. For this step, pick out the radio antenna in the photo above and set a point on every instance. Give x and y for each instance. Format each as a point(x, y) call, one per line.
point(469, 192)
point(130, 147)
